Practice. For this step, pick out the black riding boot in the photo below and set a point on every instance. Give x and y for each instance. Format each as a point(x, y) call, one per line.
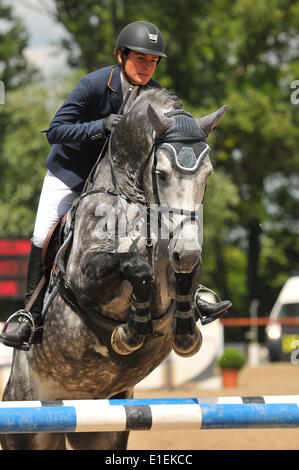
point(19, 336)
point(207, 311)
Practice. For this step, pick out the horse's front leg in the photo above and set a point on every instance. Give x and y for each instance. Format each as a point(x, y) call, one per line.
point(186, 336)
point(130, 336)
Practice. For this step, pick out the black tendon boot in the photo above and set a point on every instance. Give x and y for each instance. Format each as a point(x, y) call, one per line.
point(26, 329)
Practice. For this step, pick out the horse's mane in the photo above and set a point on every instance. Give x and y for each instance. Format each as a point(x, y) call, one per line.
point(159, 97)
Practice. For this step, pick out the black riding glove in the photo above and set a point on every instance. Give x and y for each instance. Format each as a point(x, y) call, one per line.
point(111, 121)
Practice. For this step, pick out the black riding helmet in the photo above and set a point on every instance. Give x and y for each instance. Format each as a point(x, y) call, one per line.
point(141, 36)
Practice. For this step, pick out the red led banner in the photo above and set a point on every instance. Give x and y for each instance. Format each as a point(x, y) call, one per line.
point(13, 267)
point(9, 288)
point(14, 247)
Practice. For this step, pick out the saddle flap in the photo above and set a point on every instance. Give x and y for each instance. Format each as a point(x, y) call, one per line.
point(52, 243)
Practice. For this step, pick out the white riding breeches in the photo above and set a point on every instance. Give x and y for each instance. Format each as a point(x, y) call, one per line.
point(55, 200)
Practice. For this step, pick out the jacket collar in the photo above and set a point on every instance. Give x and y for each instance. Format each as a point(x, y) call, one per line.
point(114, 83)
point(114, 86)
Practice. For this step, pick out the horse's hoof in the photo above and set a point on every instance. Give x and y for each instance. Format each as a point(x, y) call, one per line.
point(187, 345)
point(122, 344)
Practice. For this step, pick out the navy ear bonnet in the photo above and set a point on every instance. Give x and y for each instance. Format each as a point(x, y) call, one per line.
point(185, 141)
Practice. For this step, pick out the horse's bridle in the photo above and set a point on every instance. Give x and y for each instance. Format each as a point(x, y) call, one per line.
point(160, 141)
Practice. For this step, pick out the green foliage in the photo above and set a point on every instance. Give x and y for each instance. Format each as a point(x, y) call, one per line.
point(232, 359)
point(257, 137)
point(23, 154)
point(93, 27)
point(219, 215)
point(27, 111)
point(15, 70)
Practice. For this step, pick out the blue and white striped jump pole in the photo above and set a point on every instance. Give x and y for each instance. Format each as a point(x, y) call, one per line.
point(149, 414)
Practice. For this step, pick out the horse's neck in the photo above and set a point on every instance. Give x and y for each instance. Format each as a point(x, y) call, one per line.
point(104, 176)
point(164, 285)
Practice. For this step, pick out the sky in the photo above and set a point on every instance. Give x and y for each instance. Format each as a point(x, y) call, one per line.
point(44, 34)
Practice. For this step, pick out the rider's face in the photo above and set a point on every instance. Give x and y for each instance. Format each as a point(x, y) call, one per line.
point(139, 67)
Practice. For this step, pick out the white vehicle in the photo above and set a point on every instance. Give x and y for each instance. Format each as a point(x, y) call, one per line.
point(282, 340)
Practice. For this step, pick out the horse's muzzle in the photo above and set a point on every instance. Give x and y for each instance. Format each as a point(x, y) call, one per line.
point(184, 260)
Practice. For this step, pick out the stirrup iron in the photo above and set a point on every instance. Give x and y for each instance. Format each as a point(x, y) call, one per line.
point(205, 319)
point(23, 315)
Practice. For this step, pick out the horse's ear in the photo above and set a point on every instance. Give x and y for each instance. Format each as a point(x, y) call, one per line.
point(159, 122)
point(209, 122)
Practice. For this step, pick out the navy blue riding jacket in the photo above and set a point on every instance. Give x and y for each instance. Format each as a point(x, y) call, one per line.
point(76, 133)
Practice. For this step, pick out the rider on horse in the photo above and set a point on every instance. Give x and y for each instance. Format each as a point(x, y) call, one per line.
point(77, 135)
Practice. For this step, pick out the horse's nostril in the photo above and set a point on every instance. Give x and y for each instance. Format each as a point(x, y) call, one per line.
point(176, 257)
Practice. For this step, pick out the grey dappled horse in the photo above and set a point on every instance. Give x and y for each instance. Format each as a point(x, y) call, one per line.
point(124, 298)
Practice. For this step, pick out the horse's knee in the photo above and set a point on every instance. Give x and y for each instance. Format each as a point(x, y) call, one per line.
point(136, 270)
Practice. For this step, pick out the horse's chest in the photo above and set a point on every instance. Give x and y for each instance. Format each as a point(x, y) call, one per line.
point(117, 308)
point(80, 364)
point(94, 375)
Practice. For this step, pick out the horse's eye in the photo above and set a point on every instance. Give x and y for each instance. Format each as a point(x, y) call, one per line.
point(162, 176)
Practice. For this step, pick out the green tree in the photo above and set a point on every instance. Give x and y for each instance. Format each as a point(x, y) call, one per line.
point(259, 138)
point(23, 154)
point(92, 27)
point(246, 55)
point(280, 253)
point(14, 68)
point(219, 213)
point(24, 150)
